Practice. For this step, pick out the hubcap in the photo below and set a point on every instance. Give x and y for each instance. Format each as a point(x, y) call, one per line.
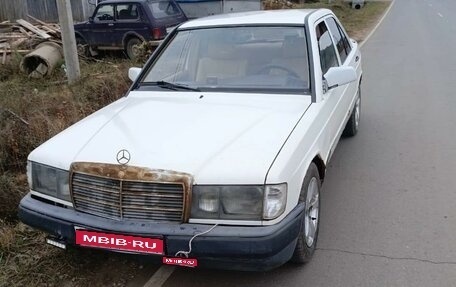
point(311, 212)
point(135, 50)
point(81, 48)
point(357, 112)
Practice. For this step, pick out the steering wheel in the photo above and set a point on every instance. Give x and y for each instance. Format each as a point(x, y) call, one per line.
point(270, 67)
point(105, 17)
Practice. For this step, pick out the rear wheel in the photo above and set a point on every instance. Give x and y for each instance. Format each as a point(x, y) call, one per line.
point(308, 235)
point(132, 48)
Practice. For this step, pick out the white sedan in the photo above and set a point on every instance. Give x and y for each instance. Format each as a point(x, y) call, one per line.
point(218, 151)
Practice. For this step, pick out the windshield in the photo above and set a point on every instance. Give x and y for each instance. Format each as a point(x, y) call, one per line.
point(251, 59)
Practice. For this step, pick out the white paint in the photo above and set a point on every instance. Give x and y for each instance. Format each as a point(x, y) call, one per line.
point(293, 16)
point(229, 134)
point(160, 276)
point(220, 138)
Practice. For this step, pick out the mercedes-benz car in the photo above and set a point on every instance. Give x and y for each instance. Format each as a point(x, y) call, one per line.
point(216, 155)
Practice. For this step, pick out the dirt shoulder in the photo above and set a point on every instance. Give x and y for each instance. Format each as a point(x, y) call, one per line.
point(32, 111)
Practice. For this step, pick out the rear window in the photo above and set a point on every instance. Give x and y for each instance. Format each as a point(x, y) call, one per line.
point(163, 9)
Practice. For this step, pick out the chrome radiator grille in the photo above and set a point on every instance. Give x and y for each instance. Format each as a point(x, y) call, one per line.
point(128, 199)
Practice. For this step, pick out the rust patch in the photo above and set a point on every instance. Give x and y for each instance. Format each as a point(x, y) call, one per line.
point(137, 174)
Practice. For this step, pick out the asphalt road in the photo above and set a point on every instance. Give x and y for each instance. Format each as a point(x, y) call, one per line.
point(389, 199)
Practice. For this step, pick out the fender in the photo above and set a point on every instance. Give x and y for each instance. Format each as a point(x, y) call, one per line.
point(131, 34)
point(79, 34)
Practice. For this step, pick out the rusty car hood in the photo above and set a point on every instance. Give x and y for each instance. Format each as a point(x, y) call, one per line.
point(216, 137)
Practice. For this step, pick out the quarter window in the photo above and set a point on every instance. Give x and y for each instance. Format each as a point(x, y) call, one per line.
point(339, 38)
point(163, 9)
point(328, 57)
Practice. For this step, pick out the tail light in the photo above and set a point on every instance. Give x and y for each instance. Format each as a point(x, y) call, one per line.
point(156, 33)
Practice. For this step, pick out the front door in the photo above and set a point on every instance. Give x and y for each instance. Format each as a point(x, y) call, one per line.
point(102, 26)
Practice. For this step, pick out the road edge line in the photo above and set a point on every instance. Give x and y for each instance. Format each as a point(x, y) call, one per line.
point(378, 24)
point(160, 276)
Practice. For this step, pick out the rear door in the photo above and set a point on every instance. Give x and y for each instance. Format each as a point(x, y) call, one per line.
point(130, 19)
point(101, 33)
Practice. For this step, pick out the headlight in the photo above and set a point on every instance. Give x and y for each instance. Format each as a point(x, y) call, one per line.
point(49, 180)
point(248, 202)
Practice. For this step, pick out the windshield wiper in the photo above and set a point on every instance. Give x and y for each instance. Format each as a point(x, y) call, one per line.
point(172, 86)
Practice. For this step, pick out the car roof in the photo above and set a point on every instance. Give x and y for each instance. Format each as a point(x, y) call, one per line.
point(283, 17)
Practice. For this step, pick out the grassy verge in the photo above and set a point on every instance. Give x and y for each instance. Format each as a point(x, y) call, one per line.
point(31, 111)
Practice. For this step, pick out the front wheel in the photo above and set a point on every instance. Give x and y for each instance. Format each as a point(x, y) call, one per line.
point(132, 48)
point(308, 234)
point(351, 129)
point(82, 47)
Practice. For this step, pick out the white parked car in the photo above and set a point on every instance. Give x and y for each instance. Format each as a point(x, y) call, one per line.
point(217, 152)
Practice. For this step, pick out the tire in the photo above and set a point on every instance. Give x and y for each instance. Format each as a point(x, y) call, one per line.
point(131, 48)
point(308, 234)
point(82, 46)
point(351, 129)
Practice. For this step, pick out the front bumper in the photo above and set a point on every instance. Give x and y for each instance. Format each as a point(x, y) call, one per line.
point(226, 247)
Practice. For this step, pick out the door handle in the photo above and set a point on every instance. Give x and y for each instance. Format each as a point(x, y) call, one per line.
point(357, 59)
point(110, 24)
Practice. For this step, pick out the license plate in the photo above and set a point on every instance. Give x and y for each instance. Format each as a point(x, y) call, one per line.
point(119, 242)
point(186, 262)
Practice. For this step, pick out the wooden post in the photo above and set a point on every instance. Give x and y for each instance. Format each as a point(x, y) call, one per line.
point(69, 40)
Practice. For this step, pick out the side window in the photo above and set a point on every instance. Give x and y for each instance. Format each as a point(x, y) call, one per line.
point(127, 12)
point(340, 43)
point(328, 56)
point(104, 13)
point(346, 40)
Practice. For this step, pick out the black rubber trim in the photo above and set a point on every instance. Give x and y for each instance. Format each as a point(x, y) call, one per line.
point(312, 83)
point(254, 247)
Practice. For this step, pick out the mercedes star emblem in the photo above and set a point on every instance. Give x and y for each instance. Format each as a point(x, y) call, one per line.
point(123, 157)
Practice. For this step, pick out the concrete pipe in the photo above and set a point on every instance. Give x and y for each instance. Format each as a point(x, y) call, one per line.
point(41, 62)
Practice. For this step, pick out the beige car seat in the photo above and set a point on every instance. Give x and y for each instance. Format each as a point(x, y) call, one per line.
point(221, 63)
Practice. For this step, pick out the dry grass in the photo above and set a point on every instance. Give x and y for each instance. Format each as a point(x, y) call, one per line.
point(32, 111)
point(26, 261)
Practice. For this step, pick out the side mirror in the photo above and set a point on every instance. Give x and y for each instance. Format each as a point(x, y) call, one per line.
point(90, 19)
point(133, 73)
point(339, 76)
